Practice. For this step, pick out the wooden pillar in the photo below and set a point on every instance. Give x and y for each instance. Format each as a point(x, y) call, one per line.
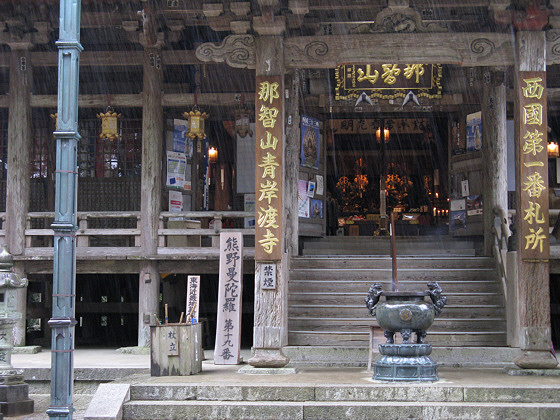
point(532, 201)
point(19, 157)
point(19, 148)
point(270, 324)
point(292, 161)
point(150, 206)
point(494, 145)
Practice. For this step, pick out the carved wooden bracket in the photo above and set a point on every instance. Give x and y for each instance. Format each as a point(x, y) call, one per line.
point(236, 50)
point(403, 19)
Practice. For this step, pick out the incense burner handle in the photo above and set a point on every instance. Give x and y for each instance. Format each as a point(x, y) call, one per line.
point(373, 296)
point(439, 301)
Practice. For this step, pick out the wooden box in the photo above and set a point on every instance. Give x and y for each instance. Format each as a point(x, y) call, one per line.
point(186, 240)
point(176, 349)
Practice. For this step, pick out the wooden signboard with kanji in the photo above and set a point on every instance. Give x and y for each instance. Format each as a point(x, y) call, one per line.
point(228, 324)
point(269, 169)
point(533, 167)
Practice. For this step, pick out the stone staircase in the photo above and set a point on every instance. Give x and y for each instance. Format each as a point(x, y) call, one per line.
point(327, 290)
point(440, 245)
point(339, 401)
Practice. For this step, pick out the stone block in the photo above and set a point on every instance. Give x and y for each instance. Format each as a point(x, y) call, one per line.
point(332, 392)
point(219, 393)
point(107, 402)
point(163, 393)
point(27, 349)
point(14, 400)
point(278, 393)
point(214, 410)
point(516, 395)
point(251, 370)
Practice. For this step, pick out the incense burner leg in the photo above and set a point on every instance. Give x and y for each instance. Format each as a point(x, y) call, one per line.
point(389, 336)
point(420, 336)
point(406, 333)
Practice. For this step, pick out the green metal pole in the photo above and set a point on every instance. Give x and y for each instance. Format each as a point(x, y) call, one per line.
point(66, 183)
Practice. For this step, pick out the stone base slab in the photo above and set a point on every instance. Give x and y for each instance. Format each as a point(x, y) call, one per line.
point(532, 372)
point(534, 359)
point(251, 370)
point(14, 400)
point(268, 358)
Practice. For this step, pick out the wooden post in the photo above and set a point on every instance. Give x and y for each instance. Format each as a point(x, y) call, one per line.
point(218, 224)
point(18, 176)
point(82, 240)
point(532, 202)
point(19, 147)
point(270, 303)
point(150, 206)
point(494, 145)
point(292, 161)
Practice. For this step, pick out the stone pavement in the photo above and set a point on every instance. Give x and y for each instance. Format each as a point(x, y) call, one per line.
point(105, 359)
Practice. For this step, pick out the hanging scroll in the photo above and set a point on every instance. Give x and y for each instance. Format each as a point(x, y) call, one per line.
point(269, 168)
point(533, 166)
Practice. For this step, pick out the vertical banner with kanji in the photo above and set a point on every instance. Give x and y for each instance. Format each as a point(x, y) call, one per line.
point(228, 324)
point(193, 298)
point(269, 168)
point(533, 167)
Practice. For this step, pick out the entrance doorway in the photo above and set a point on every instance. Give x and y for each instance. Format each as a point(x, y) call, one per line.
point(389, 163)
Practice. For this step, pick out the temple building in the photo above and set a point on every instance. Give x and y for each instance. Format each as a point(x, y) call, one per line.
point(316, 129)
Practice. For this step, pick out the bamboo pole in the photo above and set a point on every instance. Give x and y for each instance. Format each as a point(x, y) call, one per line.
point(394, 278)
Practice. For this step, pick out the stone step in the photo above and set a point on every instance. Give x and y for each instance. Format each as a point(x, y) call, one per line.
point(400, 252)
point(366, 392)
point(452, 356)
point(382, 245)
point(359, 284)
point(170, 410)
point(436, 338)
point(360, 310)
point(335, 262)
point(429, 239)
point(321, 298)
point(363, 324)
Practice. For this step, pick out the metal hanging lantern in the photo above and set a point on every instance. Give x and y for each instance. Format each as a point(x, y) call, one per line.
point(109, 124)
point(195, 126)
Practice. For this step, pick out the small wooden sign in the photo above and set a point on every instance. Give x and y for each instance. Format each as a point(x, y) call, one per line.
point(268, 276)
point(193, 298)
point(170, 337)
point(228, 325)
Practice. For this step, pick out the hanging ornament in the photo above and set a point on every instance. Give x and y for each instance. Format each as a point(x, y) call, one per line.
point(109, 124)
point(195, 126)
point(242, 120)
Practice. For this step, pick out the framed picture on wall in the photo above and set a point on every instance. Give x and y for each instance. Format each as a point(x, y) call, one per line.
point(310, 142)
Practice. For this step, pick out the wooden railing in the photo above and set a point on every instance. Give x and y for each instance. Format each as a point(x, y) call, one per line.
point(121, 229)
point(501, 233)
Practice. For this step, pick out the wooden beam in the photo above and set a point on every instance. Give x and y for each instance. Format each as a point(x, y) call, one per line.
point(108, 58)
point(135, 100)
point(462, 49)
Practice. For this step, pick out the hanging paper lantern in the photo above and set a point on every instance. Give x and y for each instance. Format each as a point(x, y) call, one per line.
point(195, 127)
point(109, 124)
